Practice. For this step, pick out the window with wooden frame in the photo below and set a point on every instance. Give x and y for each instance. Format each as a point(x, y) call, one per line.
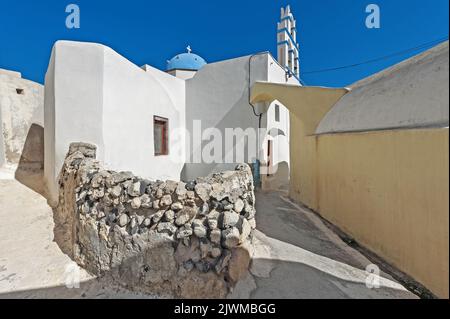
point(160, 135)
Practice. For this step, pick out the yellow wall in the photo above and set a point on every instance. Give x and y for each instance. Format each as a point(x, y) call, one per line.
point(388, 189)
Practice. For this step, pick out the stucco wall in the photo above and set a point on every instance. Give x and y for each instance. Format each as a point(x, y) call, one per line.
point(386, 188)
point(411, 94)
point(218, 95)
point(95, 95)
point(389, 190)
point(17, 113)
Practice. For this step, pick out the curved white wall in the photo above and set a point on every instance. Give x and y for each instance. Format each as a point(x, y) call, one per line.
point(95, 95)
point(411, 94)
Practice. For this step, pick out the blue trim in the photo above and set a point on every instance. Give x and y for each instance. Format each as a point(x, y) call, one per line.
point(287, 42)
point(290, 36)
point(288, 18)
point(294, 75)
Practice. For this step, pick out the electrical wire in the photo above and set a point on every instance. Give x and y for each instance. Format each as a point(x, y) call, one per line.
point(424, 45)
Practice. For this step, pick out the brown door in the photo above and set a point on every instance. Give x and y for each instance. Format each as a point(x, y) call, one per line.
point(269, 157)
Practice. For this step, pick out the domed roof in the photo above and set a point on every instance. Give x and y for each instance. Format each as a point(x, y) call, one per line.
point(186, 61)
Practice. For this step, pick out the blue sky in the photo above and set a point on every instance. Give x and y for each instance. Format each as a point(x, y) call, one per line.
point(332, 33)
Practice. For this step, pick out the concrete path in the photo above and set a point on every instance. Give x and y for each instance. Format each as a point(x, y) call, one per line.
point(31, 264)
point(296, 255)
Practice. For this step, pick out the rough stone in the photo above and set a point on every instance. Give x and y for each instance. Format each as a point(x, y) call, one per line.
point(123, 220)
point(216, 252)
point(166, 227)
point(159, 193)
point(184, 216)
point(244, 228)
point(249, 210)
point(204, 210)
point(181, 191)
point(212, 223)
point(215, 236)
point(146, 201)
point(147, 222)
point(229, 219)
point(190, 186)
point(169, 216)
point(116, 191)
point(165, 201)
point(223, 262)
point(238, 264)
point(200, 231)
point(135, 189)
point(239, 206)
point(203, 190)
point(218, 191)
point(184, 232)
point(170, 187)
point(157, 216)
point(120, 177)
point(136, 203)
point(230, 237)
point(176, 206)
point(252, 223)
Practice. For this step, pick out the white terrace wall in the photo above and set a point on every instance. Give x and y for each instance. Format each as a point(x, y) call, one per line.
point(95, 95)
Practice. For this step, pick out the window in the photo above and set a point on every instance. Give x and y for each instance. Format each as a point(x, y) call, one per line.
point(277, 113)
point(160, 135)
point(20, 91)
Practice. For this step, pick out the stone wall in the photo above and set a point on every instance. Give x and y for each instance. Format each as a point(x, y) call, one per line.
point(178, 239)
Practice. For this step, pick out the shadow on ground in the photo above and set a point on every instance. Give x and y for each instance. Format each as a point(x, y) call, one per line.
point(299, 258)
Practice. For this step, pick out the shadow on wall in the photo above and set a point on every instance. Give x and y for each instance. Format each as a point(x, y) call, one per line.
point(239, 116)
point(30, 169)
point(150, 271)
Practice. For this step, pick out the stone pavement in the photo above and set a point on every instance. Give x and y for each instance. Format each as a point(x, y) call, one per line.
point(296, 255)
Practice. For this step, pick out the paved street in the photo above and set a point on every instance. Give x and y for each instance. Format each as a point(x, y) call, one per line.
point(296, 255)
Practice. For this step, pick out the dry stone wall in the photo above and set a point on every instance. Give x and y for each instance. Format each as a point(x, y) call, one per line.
point(180, 239)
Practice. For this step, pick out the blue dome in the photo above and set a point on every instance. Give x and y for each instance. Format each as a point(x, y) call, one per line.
point(186, 61)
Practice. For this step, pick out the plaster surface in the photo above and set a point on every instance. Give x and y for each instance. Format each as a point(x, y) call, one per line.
point(411, 94)
point(218, 96)
point(95, 95)
point(21, 105)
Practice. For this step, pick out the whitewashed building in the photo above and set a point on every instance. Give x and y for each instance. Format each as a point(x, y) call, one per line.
point(164, 124)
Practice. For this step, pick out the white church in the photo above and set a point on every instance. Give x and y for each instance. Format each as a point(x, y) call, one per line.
point(161, 124)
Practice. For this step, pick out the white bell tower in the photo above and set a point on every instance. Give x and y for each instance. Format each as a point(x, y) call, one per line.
point(288, 48)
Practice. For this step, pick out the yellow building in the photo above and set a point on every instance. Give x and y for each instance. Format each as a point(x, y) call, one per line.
point(373, 160)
